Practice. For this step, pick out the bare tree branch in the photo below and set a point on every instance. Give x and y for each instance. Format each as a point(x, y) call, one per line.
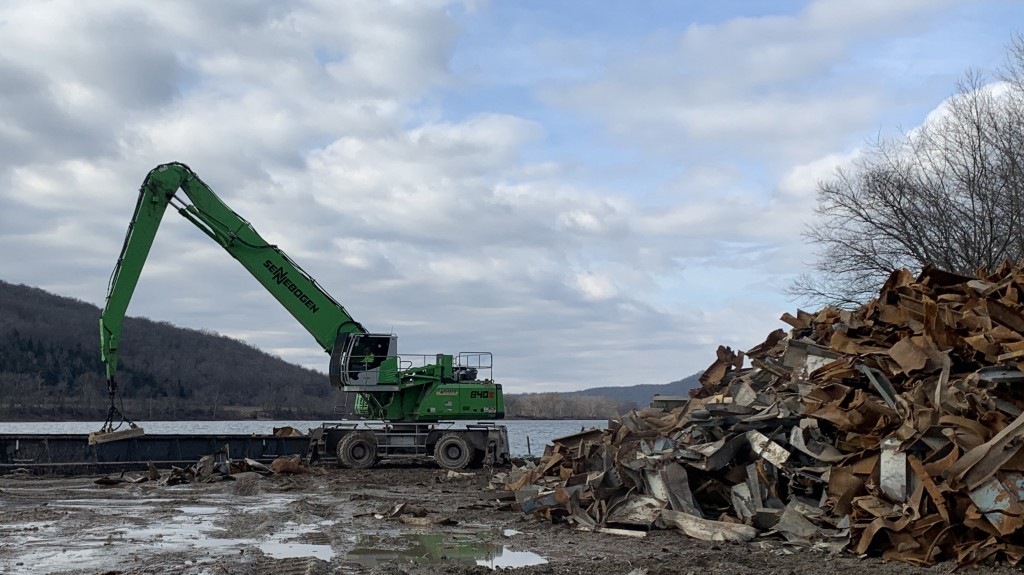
point(949, 194)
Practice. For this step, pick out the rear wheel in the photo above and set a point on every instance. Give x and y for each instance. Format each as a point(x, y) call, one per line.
point(452, 451)
point(358, 450)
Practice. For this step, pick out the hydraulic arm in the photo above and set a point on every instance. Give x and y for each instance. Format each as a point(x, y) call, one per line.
point(318, 312)
point(388, 386)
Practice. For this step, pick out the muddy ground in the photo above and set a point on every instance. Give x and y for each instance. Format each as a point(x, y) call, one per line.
point(330, 522)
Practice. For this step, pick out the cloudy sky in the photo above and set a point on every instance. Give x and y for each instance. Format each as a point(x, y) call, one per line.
point(600, 193)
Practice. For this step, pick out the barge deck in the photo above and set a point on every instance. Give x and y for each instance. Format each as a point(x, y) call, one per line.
point(72, 454)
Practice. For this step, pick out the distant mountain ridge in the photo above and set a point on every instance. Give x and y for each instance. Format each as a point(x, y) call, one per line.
point(640, 395)
point(593, 403)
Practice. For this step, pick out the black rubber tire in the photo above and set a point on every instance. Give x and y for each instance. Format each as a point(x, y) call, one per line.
point(358, 450)
point(452, 451)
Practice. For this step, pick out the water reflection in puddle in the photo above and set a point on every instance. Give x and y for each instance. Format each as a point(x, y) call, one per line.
point(287, 550)
point(433, 548)
point(198, 509)
point(507, 559)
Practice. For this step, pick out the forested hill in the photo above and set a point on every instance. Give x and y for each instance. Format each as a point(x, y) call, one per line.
point(50, 368)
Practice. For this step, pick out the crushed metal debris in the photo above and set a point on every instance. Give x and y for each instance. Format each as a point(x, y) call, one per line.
point(211, 469)
point(895, 430)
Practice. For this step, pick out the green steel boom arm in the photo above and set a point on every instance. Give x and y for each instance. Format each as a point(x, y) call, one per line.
point(322, 316)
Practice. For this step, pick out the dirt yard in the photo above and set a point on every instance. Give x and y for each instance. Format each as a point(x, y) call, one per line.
point(347, 521)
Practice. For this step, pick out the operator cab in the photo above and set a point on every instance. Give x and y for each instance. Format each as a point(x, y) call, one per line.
point(361, 359)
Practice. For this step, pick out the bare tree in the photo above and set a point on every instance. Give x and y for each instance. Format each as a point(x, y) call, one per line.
point(948, 194)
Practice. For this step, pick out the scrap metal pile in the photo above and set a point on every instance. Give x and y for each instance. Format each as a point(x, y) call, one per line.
point(894, 430)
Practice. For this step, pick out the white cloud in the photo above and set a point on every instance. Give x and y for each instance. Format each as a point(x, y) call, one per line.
point(606, 211)
point(594, 287)
point(772, 87)
point(800, 183)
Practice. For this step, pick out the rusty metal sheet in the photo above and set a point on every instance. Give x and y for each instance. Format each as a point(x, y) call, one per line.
point(979, 464)
point(708, 530)
point(802, 319)
point(639, 510)
point(1000, 500)
point(764, 447)
point(1005, 315)
point(805, 357)
point(795, 526)
point(576, 441)
point(933, 490)
point(843, 486)
point(670, 483)
point(727, 361)
point(909, 356)
point(880, 383)
point(580, 516)
point(802, 438)
point(717, 454)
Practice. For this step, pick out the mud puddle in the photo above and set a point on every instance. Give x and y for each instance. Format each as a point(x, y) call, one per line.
point(307, 525)
point(337, 521)
point(46, 534)
point(462, 547)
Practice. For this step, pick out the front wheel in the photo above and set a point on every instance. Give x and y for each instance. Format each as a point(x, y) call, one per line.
point(453, 451)
point(358, 450)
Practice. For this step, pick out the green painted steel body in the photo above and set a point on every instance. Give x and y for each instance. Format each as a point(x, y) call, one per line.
point(430, 392)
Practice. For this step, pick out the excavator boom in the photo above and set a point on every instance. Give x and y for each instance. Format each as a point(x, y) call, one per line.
point(388, 386)
point(322, 316)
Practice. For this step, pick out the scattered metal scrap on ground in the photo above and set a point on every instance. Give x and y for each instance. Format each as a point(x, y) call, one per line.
point(895, 429)
point(212, 468)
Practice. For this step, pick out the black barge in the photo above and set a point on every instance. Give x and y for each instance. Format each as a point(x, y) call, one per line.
point(72, 454)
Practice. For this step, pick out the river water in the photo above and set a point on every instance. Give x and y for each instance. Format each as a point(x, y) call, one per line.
point(525, 436)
